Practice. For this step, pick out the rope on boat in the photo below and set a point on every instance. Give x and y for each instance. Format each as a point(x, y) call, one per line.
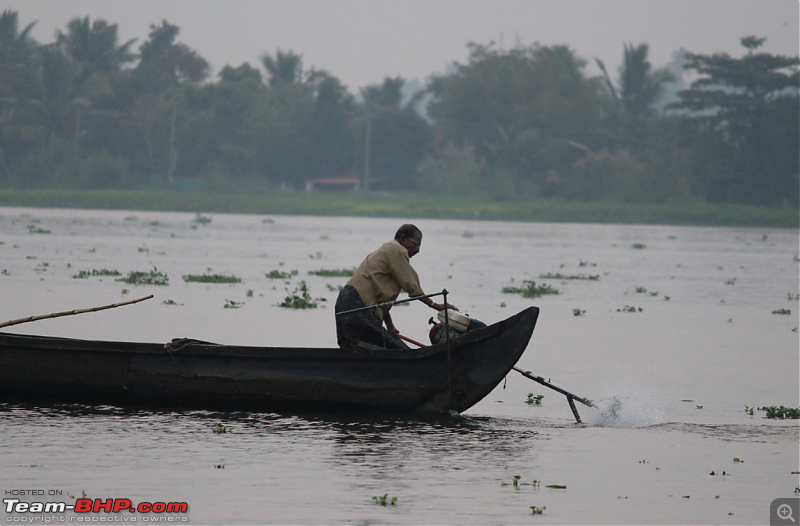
point(70, 312)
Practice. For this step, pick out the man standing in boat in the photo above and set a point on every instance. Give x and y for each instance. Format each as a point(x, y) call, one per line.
point(379, 279)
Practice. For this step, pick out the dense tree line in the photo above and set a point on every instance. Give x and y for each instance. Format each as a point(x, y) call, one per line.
point(89, 111)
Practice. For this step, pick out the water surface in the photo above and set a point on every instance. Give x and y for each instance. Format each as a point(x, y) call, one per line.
point(705, 345)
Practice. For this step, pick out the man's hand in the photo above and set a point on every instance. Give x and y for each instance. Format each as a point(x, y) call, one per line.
point(440, 306)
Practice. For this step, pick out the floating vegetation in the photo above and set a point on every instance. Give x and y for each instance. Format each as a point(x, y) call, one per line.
point(529, 289)
point(219, 466)
point(731, 281)
point(249, 293)
point(564, 277)
point(737, 460)
point(170, 302)
point(534, 400)
point(152, 277)
point(278, 274)
point(748, 410)
point(628, 308)
point(782, 312)
point(578, 312)
point(333, 273)
point(299, 299)
point(83, 274)
point(384, 500)
point(537, 511)
point(781, 413)
point(33, 229)
point(556, 486)
point(516, 482)
point(5, 272)
point(210, 278)
point(583, 263)
point(230, 304)
point(639, 246)
point(201, 219)
point(339, 287)
point(221, 430)
point(467, 234)
point(789, 295)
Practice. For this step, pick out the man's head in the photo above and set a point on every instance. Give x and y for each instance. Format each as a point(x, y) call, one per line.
point(410, 237)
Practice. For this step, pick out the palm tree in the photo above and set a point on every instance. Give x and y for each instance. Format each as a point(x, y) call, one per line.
point(16, 53)
point(93, 46)
point(640, 85)
point(284, 68)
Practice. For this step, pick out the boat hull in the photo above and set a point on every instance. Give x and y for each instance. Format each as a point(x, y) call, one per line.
point(429, 380)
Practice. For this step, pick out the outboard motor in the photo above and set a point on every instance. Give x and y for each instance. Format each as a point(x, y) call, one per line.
point(460, 324)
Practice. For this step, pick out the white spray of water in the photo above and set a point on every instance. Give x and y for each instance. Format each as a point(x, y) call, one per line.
point(629, 406)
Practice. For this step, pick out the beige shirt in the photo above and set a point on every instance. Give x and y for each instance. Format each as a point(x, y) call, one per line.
point(383, 274)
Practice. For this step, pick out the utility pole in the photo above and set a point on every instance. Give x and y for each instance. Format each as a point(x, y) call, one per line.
point(366, 153)
point(173, 153)
point(77, 127)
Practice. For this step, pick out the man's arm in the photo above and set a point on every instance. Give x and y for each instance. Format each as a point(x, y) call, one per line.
point(387, 319)
point(408, 279)
point(437, 306)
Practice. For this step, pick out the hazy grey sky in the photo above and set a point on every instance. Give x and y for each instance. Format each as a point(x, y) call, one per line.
point(362, 41)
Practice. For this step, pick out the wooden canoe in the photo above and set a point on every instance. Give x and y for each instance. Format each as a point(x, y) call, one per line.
point(204, 375)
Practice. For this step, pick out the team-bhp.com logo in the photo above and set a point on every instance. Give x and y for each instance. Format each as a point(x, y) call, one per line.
point(96, 506)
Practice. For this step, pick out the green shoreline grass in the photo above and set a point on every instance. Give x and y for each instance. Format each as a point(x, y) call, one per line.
point(405, 205)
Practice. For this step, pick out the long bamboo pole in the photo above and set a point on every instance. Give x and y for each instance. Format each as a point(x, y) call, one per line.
point(70, 312)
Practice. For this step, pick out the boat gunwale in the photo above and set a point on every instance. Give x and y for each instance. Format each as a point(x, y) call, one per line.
point(210, 350)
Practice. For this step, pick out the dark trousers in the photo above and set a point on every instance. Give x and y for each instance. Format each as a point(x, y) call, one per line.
point(361, 326)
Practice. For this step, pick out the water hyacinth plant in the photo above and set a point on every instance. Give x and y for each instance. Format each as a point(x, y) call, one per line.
point(530, 289)
point(83, 274)
point(300, 298)
point(152, 277)
point(221, 429)
point(781, 412)
point(279, 274)
point(534, 400)
point(384, 500)
point(210, 278)
point(333, 273)
point(566, 277)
